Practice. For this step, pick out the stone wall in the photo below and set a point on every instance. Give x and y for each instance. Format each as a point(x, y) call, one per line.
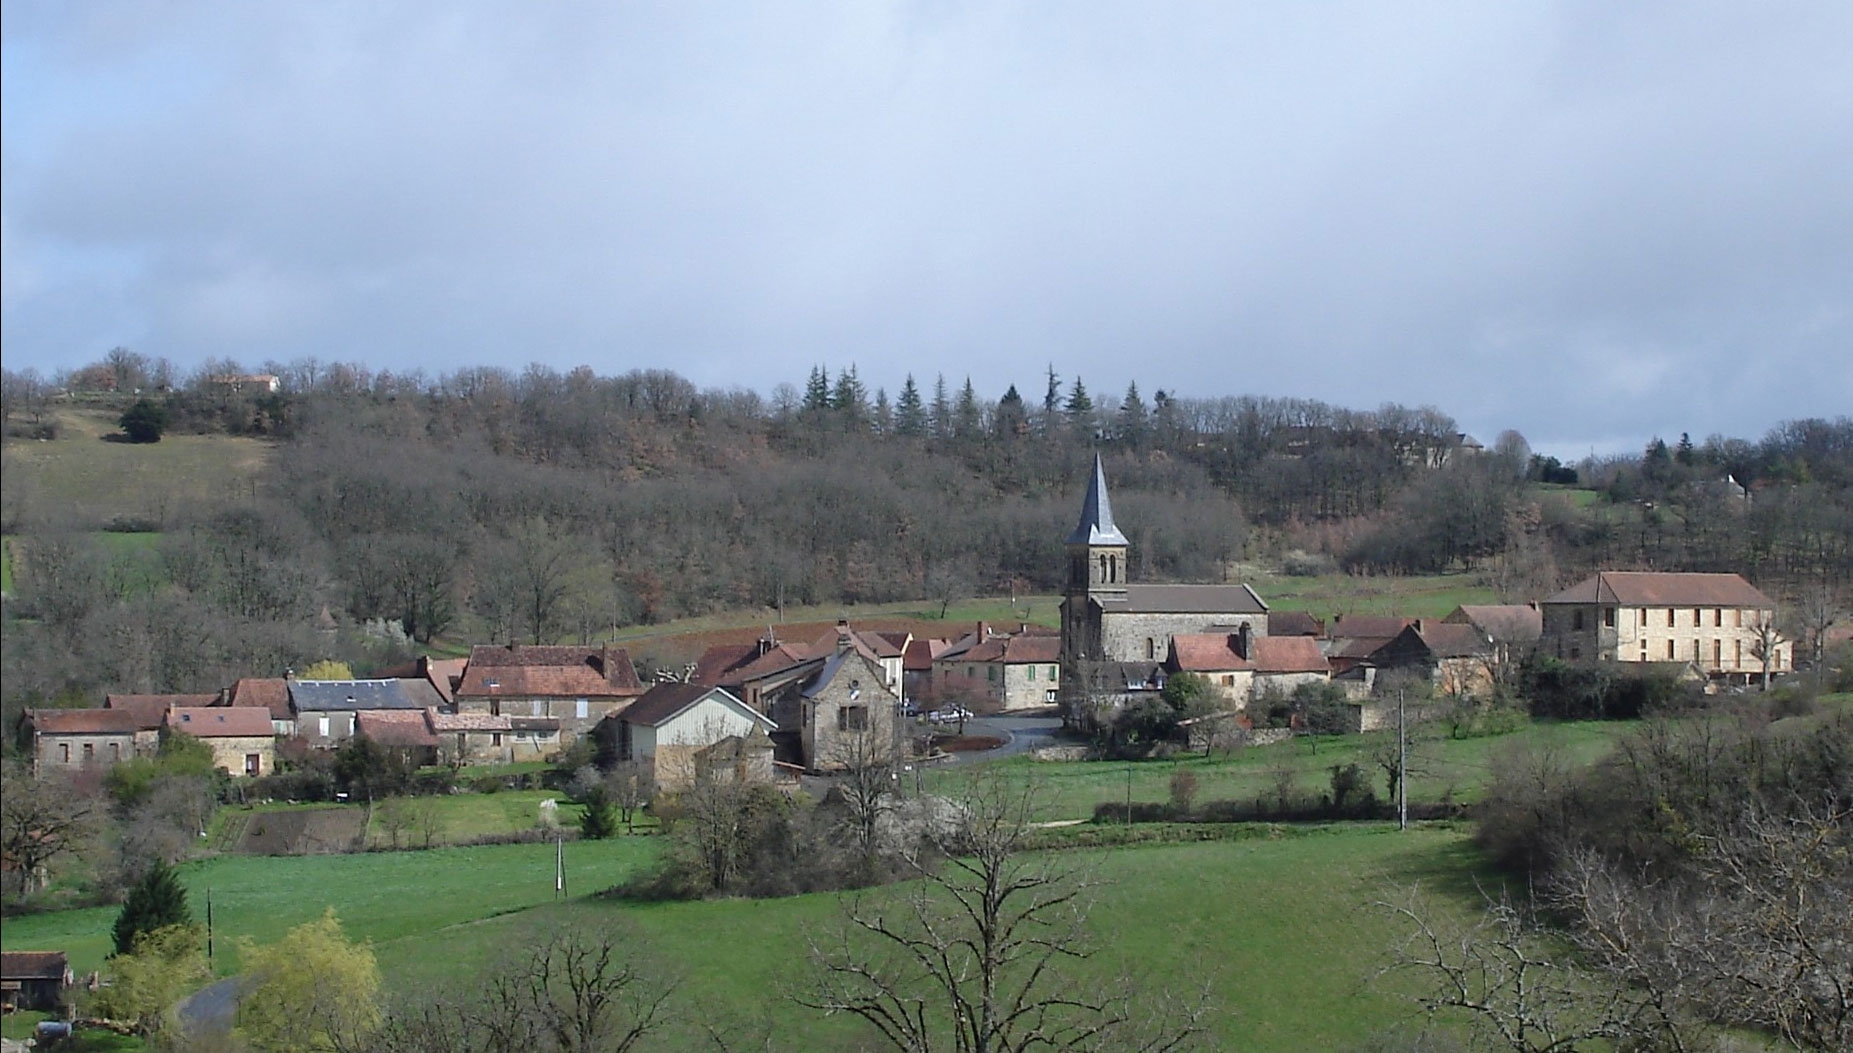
point(1128, 637)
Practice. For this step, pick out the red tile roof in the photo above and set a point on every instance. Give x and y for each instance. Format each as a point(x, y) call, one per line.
point(1631, 588)
point(151, 710)
point(919, 656)
point(396, 727)
point(220, 722)
point(549, 672)
point(272, 693)
point(84, 721)
point(1207, 652)
point(1287, 654)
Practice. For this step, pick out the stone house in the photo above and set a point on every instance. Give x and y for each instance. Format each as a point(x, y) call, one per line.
point(1240, 667)
point(669, 725)
point(575, 686)
point(328, 711)
point(840, 713)
point(151, 712)
point(1015, 671)
point(1457, 658)
point(1719, 622)
point(471, 738)
point(74, 739)
point(241, 739)
point(405, 732)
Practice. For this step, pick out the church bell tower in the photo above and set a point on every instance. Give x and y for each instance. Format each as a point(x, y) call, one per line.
point(1096, 580)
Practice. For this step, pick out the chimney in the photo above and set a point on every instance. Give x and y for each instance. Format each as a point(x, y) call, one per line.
point(1241, 642)
point(842, 634)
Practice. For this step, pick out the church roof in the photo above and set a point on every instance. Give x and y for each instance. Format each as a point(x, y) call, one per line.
point(1096, 526)
point(1187, 599)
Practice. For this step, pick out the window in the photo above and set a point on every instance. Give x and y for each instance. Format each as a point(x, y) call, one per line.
point(1698, 617)
point(64, 752)
point(115, 751)
point(535, 709)
point(852, 718)
point(990, 673)
point(1576, 621)
point(90, 752)
point(1151, 648)
point(1052, 674)
point(252, 762)
point(1032, 673)
point(1717, 617)
point(495, 739)
point(321, 726)
point(1643, 622)
point(579, 709)
point(1669, 646)
point(1697, 651)
point(1717, 652)
point(1669, 617)
point(1575, 653)
point(1608, 617)
point(1738, 648)
point(1739, 614)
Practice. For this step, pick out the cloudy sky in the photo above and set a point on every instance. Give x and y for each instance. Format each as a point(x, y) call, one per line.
point(1592, 222)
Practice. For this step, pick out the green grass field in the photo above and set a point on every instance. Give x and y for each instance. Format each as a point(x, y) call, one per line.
point(82, 478)
point(1441, 767)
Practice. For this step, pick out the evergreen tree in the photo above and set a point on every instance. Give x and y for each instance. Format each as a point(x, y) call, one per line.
point(850, 400)
point(968, 419)
point(909, 413)
point(144, 421)
point(157, 901)
point(1132, 417)
point(1683, 452)
point(884, 413)
point(601, 817)
point(816, 391)
point(1080, 408)
point(1011, 419)
point(942, 409)
point(1052, 396)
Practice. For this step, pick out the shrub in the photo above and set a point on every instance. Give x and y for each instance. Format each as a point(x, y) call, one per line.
point(1184, 790)
point(144, 421)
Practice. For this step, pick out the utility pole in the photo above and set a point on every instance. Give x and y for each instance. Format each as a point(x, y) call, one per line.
point(1402, 766)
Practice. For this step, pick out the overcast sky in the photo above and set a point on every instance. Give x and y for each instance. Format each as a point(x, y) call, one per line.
point(1591, 222)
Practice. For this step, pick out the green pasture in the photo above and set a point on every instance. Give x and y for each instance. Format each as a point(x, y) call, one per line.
point(83, 478)
point(1440, 767)
point(461, 818)
point(1426, 596)
point(382, 896)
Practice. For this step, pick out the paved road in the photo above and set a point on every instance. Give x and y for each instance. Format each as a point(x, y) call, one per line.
point(1020, 735)
point(213, 1007)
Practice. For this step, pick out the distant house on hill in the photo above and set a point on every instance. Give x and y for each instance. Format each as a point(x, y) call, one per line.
point(1458, 659)
point(271, 694)
point(576, 686)
point(671, 724)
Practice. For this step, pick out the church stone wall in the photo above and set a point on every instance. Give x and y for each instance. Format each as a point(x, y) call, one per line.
point(1129, 637)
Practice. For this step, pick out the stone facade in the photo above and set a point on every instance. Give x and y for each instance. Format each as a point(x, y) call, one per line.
point(1665, 618)
point(844, 713)
point(1138, 636)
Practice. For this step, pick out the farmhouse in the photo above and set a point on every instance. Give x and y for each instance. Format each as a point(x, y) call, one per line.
point(837, 713)
point(1240, 667)
point(671, 724)
point(34, 979)
point(1458, 659)
point(327, 711)
point(576, 686)
point(241, 740)
point(271, 694)
point(1007, 671)
point(1720, 623)
point(81, 738)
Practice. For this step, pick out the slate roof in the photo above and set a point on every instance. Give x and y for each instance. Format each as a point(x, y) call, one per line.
point(1383, 627)
point(220, 722)
point(1505, 622)
point(549, 672)
point(1294, 623)
point(664, 702)
point(1446, 640)
point(719, 660)
point(151, 710)
point(396, 727)
point(1287, 654)
point(1096, 526)
point(1633, 588)
point(33, 965)
point(326, 696)
point(1189, 599)
point(84, 721)
point(272, 693)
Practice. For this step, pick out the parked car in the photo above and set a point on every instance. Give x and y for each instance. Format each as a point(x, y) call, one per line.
point(950, 715)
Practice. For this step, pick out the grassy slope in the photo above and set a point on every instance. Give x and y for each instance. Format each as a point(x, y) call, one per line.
point(91, 481)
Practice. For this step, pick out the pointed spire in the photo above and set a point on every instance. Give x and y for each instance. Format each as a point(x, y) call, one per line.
point(1096, 526)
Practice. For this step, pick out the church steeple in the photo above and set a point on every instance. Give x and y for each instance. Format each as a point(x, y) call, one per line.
point(1096, 526)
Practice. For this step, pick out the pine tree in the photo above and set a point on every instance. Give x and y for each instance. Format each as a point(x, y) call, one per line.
point(1080, 408)
point(817, 391)
point(157, 901)
point(1011, 418)
point(850, 400)
point(1052, 396)
point(968, 419)
point(884, 413)
point(1132, 417)
point(942, 409)
point(909, 414)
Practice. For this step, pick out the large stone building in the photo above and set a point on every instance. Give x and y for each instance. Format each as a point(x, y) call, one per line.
point(1108, 619)
point(1720, 623)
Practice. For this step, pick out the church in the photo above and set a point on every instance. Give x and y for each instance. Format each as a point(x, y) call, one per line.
point(1106, 618)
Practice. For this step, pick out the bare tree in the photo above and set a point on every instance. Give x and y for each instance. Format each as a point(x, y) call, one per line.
point(41, 819)
point(866, 763)
point(973, 956)
point(1766, 640)
point(1502, 976)
point(630, 786)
